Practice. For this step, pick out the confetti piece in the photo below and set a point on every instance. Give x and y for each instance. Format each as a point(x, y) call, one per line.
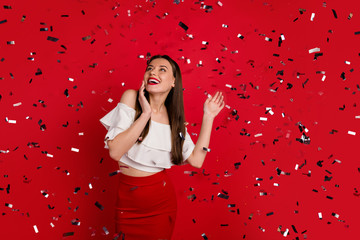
point(206, 149)
point(133, 188)
point(314, 50)
point(342, 75)
point(312, 17)
point(68, 234)
point(258, 135)
point(86, 38)
point(114, 173)
point(53, 39)
point(105, 231)
point(181, 136)
point(240, 36)
point(99, 205)
point(35, 229)
point(334, 12)
point(220, 195)
point(74, 149)
point(320, 215)
point(263, 119)
point(76, 190)
point(181, 24)
point(351, 133)
point(9, 205)
point(75, 222)
point(286, 232)
point(44, 193)
point(268, 39)
point(204, 236)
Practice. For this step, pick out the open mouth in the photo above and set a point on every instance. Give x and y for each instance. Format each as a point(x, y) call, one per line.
point(153, 81)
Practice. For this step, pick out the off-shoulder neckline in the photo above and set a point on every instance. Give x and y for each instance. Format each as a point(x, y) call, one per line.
point(160, 123)
point(150, 119)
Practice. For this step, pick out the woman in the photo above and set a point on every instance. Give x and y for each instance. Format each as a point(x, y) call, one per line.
point(146, 202)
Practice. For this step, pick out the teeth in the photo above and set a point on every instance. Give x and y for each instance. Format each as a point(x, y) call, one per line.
point(153, 81)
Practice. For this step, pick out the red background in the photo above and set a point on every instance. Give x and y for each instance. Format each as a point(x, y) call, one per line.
point(109, 62)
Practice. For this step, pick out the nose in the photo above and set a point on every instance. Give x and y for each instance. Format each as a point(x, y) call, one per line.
point(152, 72)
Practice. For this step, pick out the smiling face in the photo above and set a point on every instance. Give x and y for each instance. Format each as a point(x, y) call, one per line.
point(159, 76)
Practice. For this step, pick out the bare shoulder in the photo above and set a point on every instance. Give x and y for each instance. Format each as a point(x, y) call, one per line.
point(129, 98)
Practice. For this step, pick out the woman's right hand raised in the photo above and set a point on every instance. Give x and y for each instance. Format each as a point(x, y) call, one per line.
point(145, 106)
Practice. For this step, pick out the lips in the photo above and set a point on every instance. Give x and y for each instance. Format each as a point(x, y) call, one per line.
point(153, 81)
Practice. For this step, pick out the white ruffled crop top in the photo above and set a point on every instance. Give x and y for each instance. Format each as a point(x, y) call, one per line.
point(153, 154)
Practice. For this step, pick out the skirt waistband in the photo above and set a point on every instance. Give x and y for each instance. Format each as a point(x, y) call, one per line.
point(142, 181)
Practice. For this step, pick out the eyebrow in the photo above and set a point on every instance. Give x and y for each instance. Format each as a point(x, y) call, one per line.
point(160, 65)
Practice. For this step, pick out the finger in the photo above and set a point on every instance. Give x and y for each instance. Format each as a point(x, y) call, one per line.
point(222, 104)
point(141, 90)
point(208, 99)
point(222, 98)
point(219, 98)
point(216, 96)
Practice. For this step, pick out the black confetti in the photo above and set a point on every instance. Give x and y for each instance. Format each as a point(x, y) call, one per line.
point(181, 24)
point(334, 12)
point(53, 39)
point(99, 205)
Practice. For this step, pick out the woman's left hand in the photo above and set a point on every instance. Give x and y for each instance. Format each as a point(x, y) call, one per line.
point(213, 105)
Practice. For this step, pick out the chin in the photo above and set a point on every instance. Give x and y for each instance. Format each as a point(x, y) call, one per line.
point(157, 91)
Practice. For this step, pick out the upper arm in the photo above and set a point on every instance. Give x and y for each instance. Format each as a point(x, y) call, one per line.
point(189, 160)
point(129, 98)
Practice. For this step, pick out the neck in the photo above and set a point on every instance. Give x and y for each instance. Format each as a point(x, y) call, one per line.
point(157, 102)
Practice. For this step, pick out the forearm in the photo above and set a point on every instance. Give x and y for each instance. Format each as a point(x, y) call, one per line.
point(125, 140)
point(198, 155)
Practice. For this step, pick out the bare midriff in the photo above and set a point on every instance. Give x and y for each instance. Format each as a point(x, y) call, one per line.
point(130, 171)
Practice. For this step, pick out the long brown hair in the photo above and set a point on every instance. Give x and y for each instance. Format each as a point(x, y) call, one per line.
point(174, 104)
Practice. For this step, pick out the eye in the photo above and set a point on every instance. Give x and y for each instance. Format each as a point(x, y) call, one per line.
point(148, 68)
point(163, 69)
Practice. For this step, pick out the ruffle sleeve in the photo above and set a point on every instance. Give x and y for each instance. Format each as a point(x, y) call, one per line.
point(188, 146)
point(117, 120)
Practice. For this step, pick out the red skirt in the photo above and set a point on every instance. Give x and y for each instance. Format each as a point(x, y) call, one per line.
point(146, 207)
